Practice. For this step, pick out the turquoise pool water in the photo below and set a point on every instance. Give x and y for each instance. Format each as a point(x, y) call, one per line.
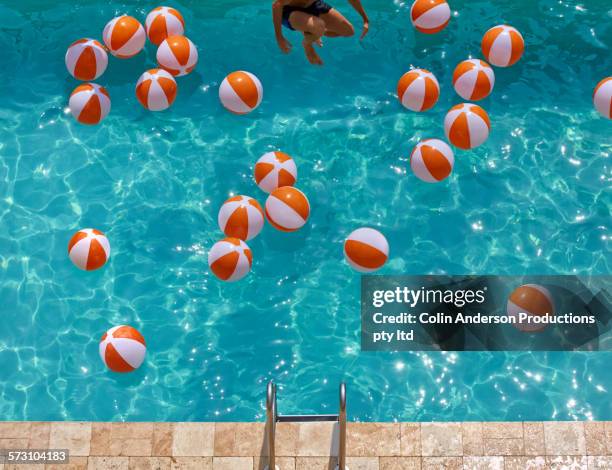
point(534, 199)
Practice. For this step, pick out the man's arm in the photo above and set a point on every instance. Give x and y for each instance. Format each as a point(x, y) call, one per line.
point(356, 4)
point(277, 19)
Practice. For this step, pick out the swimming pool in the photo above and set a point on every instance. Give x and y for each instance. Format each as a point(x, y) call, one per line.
point(534, 199)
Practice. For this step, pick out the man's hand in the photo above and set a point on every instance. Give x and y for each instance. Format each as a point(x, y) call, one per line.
point(284, 45)
point(366, 28)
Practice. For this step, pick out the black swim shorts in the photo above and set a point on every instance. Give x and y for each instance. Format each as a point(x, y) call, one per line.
point(316, 8)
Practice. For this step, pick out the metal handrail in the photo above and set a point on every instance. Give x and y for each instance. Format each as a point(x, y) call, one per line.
point(272, 418)
point(342, 425)
point(271, 424)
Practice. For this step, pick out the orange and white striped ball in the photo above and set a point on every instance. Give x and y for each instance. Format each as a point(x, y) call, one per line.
point(503, 45)
point(529, 303)
point(432, 160)
point(467, 126)
point(418, 90)
point(124, 36)
point(230, 259)
point(602, 97)
point(430, 16)
point(241, 217)
point(162, 22)
point(89, 103)
point(240, 92)
point(89, 249)
point(473, 79)
point(178, 55)
point(287, 209)
point(86, 59)
point(274, 170)
point(156, 89)
point(366, 250)
point(122, 349)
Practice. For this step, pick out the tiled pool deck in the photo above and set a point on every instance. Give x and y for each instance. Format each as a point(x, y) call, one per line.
point(308, 446)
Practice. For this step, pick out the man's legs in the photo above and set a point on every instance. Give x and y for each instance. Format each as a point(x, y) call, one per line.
point(337, 25)
point(313, 28)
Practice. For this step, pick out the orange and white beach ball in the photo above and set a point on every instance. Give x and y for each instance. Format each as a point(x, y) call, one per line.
point(122, 349)
point(432, 160)
point(124, 36)
point(89, 249)
point(162, 22)
point(473, 79)
point(602, 97)
point(430, 16)
point(156, 89)
point(287, 209)
point(230, 259)
point(366, 250)
point(240, 92)
point(241, 217)
point(89, 103)
point(273, 170)
point(528, 304)
point(178, 55)
point(418, 90)
point(86, 59)
point(467, 125)
point(503, 45)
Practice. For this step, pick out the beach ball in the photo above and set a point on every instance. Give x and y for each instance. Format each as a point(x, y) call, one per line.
point(230, 259)
point(432, 160)
point(162, 22)
point(89, 249)
point(533, 300)
point(240, 92)
point(602, 97)
point(124, 36)
point(503, 45)
point(89, 103)
point(178, 55)
point(287, 209)
point(156, 89)
point(241, 217)
point(467, 125)
point(122, 349)
point(473, 79)
point(86, 59)
point(366, 250)
point(430, 16)
point(418, 90)
point(275, 169)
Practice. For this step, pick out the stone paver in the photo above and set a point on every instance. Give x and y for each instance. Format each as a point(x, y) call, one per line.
point(471, 434)
point(483, 463)
point(317, 439)
point(564, 438)
point(400, 463)
point(193, 439)
point(533, 434)
point(442, 463)
point(232, 463)
point(410, 439)
point(314, 446)
point(191, 463)
point(360, 437)
point(525, 463)
point(441, 439)
point(76, 437)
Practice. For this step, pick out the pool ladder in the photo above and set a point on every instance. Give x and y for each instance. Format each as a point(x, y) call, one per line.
point(272, 417)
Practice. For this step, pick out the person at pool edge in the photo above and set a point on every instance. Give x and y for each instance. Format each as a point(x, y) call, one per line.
point(315, 19)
